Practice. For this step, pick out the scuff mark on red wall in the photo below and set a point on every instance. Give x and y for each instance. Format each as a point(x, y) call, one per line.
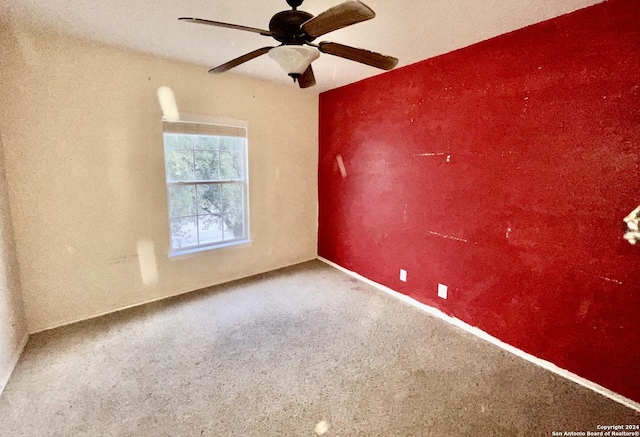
point(502, 170)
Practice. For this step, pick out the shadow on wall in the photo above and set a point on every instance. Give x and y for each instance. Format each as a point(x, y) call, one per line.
point(13, 325)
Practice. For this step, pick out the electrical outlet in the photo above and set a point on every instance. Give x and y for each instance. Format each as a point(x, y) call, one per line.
point(403, 275)
point(442, 291)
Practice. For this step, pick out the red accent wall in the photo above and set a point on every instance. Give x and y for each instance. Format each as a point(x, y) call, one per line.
point(502, 170)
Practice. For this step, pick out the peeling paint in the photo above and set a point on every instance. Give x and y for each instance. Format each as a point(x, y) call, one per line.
point(450, 237)
point(430, 154)
point(604, 278)
point(612, 280)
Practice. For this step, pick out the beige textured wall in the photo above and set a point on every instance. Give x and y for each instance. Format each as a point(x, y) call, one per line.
point(84, 157)
point(13, 325)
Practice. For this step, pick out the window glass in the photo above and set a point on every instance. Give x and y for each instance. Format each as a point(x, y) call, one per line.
point(207, 189)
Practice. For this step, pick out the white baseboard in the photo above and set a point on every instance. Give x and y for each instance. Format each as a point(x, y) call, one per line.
point(485, 336)
point(4, 379)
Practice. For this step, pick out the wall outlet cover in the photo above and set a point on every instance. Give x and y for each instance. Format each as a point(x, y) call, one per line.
point(403, 275)
point(442, 291)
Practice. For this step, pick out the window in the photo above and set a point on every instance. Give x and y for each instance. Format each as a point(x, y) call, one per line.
point(207, 190)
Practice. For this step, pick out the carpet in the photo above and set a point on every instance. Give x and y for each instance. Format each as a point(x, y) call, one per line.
point(302, 351)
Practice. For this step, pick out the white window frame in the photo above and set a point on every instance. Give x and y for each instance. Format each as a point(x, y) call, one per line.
point(185, 120)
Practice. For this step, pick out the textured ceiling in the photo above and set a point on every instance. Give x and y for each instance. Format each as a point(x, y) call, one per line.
point(409, 31)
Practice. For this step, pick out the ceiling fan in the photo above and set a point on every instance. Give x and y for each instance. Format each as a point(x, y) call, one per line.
point(296, 30)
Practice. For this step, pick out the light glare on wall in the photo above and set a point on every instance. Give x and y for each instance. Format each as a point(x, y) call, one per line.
point(147, 259)
point(168, 104)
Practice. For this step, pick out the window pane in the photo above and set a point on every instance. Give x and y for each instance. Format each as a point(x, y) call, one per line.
point(206, 165)
point(233, 204)
point(230, 165)
point(206, 142)
point(184, 232)
point(210, 227)
point(177, 141)
point(179, 165)
point(209, 199)
point(232, 196)
point(233, 225)
point(232, 144)
point(182, 200)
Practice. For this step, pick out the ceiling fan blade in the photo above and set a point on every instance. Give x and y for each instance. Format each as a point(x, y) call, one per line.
point(343, 15)
point(359, 55)
point(240, 60)
point(230, 26)
point(307, 79)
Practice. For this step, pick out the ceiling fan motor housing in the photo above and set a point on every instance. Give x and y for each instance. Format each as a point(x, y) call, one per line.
point(285, 27)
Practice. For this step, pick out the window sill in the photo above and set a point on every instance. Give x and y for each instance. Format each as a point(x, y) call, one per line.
point(188, 253)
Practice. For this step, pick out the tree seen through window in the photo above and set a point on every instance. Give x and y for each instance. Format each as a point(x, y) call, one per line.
point(206, 188)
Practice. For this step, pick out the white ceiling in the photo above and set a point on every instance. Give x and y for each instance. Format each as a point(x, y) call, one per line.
point(410, 31)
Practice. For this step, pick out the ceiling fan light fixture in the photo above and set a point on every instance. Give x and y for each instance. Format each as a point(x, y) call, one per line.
point(294, 59)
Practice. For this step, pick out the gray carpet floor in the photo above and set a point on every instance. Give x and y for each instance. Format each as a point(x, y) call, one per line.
point(302, 351)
